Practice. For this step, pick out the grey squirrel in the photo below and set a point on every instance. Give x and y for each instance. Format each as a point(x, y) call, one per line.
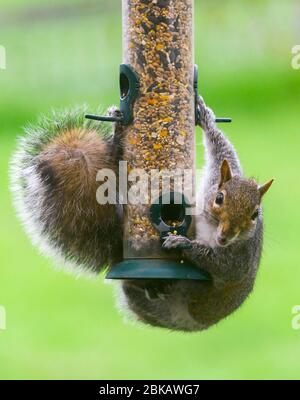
point(54, 179)
point(228, 245)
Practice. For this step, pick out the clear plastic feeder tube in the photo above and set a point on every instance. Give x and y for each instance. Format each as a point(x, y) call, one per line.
point(158, 45)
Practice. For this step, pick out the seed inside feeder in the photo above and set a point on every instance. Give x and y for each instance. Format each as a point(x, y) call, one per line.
point(158, 44)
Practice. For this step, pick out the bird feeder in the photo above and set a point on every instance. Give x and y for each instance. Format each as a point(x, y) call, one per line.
point(158, 85)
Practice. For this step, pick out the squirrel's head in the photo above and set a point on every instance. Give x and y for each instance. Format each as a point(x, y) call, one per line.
point(236, 205)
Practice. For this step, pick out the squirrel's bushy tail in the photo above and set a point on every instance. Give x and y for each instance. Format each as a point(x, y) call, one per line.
point(53, 180)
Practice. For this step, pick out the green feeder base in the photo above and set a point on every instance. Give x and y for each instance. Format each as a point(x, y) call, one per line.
point(156, 269)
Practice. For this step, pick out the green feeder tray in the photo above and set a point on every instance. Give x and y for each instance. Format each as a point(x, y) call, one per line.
point(156, 269)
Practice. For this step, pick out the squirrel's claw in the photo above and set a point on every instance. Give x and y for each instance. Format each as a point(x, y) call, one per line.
point(177, 242)
point(113, 111)
point(204, 251)
point(153, 295)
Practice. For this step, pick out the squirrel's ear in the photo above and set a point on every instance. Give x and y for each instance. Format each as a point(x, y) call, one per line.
point(226, 173)
point(264, 188)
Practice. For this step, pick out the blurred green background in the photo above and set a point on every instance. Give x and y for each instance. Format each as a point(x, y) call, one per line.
point(64, 53)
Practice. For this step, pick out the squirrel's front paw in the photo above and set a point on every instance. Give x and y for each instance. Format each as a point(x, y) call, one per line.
point(207, 116)
point(176, 242)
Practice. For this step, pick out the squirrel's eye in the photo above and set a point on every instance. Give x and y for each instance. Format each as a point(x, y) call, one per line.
point(220, 199)
point(255, 215)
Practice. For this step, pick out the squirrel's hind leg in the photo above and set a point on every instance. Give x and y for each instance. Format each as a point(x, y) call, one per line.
point(217, 146)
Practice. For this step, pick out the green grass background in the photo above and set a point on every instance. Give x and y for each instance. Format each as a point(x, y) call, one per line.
point(62, 327)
